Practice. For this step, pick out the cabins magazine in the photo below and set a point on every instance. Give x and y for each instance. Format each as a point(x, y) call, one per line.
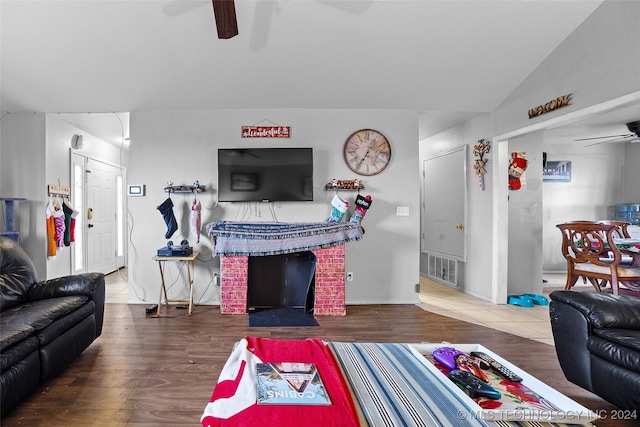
point(290, 383)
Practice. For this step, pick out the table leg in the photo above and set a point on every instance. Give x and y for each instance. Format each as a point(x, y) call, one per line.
point(163, 289)
point(191, 266)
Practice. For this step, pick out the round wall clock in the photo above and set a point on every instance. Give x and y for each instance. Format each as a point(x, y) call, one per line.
point(367, 152)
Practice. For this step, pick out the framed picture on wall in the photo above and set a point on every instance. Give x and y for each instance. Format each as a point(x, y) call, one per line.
point(557, 171)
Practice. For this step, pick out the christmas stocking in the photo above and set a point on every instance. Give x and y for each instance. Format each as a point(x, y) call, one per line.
point(517, 166)
point(339, 207)
point(362, 205)
point(195, 219)
point(166, 209)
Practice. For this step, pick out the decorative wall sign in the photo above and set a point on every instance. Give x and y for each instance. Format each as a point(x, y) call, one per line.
point(266, 131)
point(480, 149)
point(559, 102)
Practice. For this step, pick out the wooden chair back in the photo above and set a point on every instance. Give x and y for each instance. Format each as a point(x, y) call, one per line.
point(622, 227)
point(591, 252)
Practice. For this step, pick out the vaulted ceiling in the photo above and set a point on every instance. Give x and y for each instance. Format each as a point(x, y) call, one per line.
point(448, 60)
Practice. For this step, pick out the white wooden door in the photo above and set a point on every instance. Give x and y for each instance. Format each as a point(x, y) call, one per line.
point(445, 204)
point(101, 221)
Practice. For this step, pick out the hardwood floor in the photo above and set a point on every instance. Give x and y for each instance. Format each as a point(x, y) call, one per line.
point(149, 371)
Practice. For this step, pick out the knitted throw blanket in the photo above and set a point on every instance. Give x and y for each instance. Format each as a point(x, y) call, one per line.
point(271, 238)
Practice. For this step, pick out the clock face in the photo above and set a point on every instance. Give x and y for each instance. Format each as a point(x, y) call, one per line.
point(367, 152)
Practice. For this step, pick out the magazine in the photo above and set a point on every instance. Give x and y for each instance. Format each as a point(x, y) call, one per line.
point(290, 383)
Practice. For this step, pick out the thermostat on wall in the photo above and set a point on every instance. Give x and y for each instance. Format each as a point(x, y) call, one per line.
point(136, 190)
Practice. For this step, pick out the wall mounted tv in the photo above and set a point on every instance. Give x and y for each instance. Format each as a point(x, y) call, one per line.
point(265, 174)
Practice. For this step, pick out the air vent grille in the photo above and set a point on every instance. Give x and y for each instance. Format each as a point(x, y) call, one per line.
point(444, 270)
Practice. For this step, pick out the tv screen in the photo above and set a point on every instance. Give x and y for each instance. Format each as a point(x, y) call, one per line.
point(265, 174)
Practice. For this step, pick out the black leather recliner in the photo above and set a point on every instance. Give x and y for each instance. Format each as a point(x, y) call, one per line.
point(44, 326)
point(597, 340)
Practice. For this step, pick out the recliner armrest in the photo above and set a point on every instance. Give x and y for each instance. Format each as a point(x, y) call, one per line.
point(603, 310)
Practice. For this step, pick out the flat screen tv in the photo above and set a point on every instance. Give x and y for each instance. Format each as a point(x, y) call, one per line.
point(265, 174)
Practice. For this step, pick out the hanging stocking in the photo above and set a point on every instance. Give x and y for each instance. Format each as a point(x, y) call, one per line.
point(52, 247)
point(58, 217)
point(339, 207)
point(67, 224)
point(517, 166)
point(195, 218)
point(362, 205)
point(166, 209)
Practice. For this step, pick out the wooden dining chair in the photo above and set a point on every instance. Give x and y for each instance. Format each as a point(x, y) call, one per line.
point(591, 252)
point(622, 227)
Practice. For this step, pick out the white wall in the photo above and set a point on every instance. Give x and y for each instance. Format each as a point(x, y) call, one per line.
point(596, 184)
point(598, 62)
point(479, 202)
point(631, 174)
point(525, 220)
point(582, 66)
point(23, 168)
point(34, 154)
point(58, 159)
point(181, 146)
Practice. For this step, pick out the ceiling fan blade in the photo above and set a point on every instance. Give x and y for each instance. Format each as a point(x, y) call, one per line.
point(225, 14)
point(605, 137)
point(621, 138)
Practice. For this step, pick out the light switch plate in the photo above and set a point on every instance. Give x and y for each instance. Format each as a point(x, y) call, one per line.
point(402, 210)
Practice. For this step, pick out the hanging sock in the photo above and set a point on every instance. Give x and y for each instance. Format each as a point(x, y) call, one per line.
point(166, 209)
point(338, 209)
point(52, 247)
point(68, 211)
point(195, 219)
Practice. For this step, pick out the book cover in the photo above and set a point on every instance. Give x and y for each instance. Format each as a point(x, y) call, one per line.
point(290, 383)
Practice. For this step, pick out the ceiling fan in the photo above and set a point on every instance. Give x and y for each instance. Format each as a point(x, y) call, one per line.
point(225, 16)
point(633, 137)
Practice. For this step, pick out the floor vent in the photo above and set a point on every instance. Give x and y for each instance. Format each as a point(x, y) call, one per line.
point(443, 270)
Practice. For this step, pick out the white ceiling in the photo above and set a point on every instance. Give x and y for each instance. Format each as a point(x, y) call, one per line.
point(448, 60)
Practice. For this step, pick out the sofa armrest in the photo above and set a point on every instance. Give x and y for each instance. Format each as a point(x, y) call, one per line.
point(91, 285)
point(603, 310)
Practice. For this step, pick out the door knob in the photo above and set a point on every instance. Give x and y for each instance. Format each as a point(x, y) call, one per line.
point(459, 226)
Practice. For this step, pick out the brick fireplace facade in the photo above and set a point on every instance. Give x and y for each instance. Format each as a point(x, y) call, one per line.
point(329, 283)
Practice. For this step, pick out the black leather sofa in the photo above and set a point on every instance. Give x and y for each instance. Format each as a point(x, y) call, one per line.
point(44, 325)
point(597, 340)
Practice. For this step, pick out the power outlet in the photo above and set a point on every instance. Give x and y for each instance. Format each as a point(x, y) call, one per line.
point(349, 276)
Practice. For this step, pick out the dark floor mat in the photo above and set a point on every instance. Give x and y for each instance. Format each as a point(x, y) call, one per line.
point(281, 316)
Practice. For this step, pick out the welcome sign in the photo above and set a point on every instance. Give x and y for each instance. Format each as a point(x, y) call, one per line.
point(554, 104)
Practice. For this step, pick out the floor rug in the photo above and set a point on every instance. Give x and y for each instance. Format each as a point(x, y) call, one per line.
point(281, 316)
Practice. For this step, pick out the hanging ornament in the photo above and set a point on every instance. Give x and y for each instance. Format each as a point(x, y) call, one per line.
point(480, 149)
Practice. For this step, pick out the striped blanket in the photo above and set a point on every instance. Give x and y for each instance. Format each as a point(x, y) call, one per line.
point(271, 238)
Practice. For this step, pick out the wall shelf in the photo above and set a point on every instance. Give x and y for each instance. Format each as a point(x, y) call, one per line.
point(345, 184)
point(185, 188)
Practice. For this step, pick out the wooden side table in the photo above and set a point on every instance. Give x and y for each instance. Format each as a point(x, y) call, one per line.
point(190, 261)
